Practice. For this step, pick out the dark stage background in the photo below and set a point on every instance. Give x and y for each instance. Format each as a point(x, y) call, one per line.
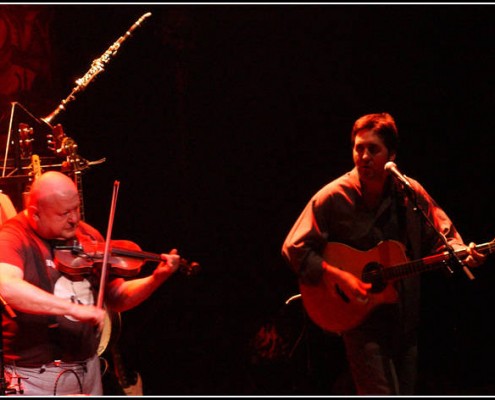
point(221, 121)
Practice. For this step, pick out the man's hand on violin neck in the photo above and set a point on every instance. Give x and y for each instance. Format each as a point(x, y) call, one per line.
point(172, 259)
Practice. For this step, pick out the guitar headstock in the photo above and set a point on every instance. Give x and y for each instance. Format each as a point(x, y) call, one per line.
point(63, 145)
point(36, 170)
point(55, 138)
point(26, 134)
point(60, 143)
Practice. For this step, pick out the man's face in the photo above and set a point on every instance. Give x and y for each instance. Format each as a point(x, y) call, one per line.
point(370, 156)
point(58, 218)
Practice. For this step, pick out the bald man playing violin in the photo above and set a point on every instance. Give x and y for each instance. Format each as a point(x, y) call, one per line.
point(51, 341)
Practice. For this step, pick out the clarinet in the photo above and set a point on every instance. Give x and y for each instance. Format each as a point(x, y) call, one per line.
point(97, 66)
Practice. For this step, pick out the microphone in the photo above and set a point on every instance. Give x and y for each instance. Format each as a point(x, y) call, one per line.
point(392, 167)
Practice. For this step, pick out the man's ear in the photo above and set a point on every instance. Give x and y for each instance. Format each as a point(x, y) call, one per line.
point(33, 213)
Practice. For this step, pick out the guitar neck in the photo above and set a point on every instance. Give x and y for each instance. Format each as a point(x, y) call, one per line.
point(430, 263)
point(131, 385)
point(120, 371)
point(78, 180)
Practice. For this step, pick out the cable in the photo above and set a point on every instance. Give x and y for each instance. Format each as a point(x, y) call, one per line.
point(60, 375)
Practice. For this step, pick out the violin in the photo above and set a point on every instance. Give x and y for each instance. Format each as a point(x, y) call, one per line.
point(125, 258)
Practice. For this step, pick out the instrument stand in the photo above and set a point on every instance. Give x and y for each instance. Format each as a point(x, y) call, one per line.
point(3, 390)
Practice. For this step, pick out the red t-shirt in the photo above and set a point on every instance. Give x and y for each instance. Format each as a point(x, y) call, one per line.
point(33, 340)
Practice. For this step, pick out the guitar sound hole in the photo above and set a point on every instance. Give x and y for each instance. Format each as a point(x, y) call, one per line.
point(372, 273)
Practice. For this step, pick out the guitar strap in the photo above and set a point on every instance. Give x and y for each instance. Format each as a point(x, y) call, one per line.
point(408, 234)
point(396, 222)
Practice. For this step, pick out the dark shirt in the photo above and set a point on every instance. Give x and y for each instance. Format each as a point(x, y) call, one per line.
point(337, 213)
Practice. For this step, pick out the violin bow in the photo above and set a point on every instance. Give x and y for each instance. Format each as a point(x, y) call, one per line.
point(106, 253)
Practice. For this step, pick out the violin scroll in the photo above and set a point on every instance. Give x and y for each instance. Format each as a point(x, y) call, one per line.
point(189, 268)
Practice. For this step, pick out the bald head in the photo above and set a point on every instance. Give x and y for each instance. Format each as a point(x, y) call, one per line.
point(49, 186)
point(53, 206)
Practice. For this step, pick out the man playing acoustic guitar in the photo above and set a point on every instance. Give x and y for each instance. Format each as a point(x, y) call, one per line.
point(344, 247)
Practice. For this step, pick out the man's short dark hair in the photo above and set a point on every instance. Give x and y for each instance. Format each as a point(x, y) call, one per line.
point(383, 124)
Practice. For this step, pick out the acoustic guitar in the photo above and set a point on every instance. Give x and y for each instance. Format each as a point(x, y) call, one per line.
point(332, 310)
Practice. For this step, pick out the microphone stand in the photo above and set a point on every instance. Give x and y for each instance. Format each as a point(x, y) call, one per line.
point(8, 309)
point(452, 254)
